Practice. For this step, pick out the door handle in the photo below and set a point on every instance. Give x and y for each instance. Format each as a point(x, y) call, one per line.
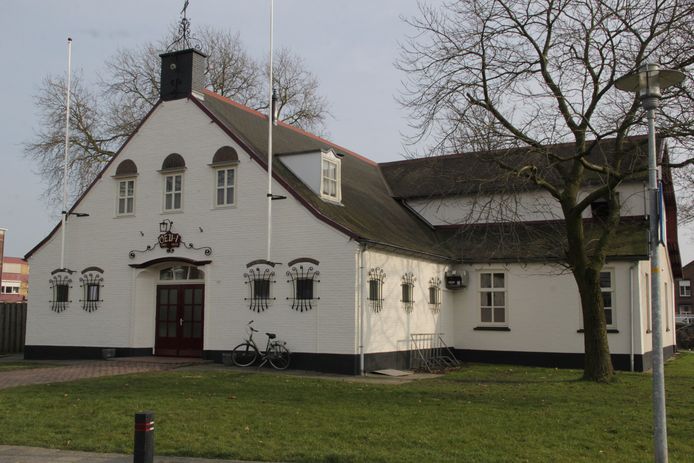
point(180, 322)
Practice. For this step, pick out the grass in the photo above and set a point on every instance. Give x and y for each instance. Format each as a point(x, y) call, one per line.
point(480, 413)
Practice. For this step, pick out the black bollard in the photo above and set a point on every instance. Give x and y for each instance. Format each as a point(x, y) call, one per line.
point(144, 438)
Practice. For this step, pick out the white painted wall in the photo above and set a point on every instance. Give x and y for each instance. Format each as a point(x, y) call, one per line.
point(530, 206)
point(543, 310)
point(306, 166)
point(237, 236)
point(390, 329)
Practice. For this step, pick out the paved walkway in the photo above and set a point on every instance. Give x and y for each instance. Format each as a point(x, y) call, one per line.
point(60, 372)
point(16, 454)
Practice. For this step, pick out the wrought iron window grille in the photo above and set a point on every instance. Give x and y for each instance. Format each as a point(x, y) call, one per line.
point(91, 281)
point(407, 287)
point(259, 277)
point(435, 294)
point(376, 279)
point(61, 282)
point(303, 278)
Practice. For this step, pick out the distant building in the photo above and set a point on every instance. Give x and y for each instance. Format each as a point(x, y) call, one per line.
point(683, 294)
point(15, 280)
point(2, 246)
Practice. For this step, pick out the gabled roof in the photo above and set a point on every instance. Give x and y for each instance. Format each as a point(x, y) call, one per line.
point(367, 212)
point(371, 210)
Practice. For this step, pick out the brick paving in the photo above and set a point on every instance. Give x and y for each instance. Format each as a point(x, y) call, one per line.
point(17, 454)
point(89, 369)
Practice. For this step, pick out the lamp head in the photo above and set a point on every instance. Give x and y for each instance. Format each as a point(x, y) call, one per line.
point(649, 81)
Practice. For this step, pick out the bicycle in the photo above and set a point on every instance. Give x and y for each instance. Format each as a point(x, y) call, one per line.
point(247, 353)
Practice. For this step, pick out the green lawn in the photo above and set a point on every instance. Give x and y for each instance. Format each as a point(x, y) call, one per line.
point(480, 413)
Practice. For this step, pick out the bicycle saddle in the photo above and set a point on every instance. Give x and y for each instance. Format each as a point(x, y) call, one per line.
point(271, 335)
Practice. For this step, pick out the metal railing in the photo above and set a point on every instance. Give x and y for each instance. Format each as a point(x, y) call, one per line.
point(431, 353)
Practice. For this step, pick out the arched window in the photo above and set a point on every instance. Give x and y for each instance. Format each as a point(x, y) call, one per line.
point(126, 168)
point(125, 188)
point(225, 155)
point(173, 161)
point(172, 168)
point(224, 163)
point(181, 272)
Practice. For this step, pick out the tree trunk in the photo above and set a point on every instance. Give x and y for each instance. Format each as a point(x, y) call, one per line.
point(598, 364)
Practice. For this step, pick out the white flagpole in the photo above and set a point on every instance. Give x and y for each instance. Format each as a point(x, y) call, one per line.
point(270, 117)
point(67, 147)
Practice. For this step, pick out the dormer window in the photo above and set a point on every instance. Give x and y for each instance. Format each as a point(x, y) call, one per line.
point(330, 177)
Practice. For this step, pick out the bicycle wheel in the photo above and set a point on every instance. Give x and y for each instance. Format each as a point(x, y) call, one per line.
point(278, 355)
point(244, 355)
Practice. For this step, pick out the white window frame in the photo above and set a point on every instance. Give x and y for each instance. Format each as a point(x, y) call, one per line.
point(613, 292)
point(685, 288)
point(173, 192)
point(330, 157)
point(125, 197)
point(492, 289)
point(216, 189)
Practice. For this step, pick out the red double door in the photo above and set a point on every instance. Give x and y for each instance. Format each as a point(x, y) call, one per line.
point(180, 315)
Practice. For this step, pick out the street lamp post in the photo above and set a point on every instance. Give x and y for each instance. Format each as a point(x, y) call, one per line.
point(648, 82)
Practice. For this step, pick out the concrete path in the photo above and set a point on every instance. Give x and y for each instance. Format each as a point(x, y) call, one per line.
point(16, 454)
point(60, 372)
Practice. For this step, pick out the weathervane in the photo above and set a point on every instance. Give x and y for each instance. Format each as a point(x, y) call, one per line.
point(184, 38)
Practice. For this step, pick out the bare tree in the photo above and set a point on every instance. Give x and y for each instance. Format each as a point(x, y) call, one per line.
point(105, 114)
point(541, 72)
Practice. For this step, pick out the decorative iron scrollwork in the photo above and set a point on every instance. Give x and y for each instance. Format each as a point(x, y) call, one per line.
point(149, 247)
point(259, 278)
point(91, 281)
point(208, 250)
point(407, 286)
point(435, 294)
point(61, 282)
point(376, 279)
point(303, 278)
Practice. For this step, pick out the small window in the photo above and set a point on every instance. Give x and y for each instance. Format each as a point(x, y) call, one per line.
point(407, 288)
point(330, 177)
point(607, 289)
point(493, 298)
point(600, 209)
point(303, 276)
point(376, 278)
point(61, 282)
point(261, 289)
point(260, 276)
point(435, 294)
point(173, 191)
point(62, 293)
point(91, 281)
point(685, 288)
point(126, 197)
point(225, 187)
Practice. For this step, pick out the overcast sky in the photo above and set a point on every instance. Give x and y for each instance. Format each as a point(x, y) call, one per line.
point(349, 45)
